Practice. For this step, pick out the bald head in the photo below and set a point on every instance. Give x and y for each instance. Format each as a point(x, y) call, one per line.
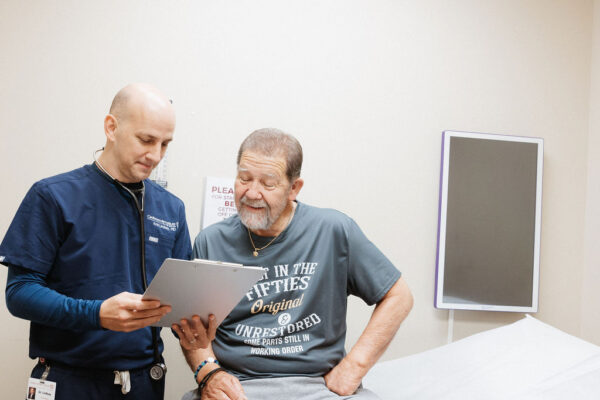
point(136, 96)
point(138, 129)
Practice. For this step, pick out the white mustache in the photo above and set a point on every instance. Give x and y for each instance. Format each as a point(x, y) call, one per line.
point(253, 203)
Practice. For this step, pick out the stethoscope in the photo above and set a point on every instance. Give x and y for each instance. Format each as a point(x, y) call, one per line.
point(159, 369)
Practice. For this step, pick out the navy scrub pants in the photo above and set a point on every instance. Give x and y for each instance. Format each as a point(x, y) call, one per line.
point(98, 384)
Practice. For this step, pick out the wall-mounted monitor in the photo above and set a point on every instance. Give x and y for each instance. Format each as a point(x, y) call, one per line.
point(490, 211)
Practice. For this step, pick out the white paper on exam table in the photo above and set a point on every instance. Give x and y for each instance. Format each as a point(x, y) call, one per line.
point(200, 287)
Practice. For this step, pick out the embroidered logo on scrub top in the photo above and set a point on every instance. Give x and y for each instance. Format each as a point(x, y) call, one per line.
point(162, 224)
point(153, 239)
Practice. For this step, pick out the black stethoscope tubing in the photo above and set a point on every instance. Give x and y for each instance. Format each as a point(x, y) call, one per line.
point(158, 368)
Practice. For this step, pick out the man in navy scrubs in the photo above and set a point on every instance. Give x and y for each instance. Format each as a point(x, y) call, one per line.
point(83, 246)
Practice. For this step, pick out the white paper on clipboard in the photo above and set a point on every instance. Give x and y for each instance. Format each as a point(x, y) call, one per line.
point(200, 287)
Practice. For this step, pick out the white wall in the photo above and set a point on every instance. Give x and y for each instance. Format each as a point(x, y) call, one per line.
point(591, 282)
point(366, 86)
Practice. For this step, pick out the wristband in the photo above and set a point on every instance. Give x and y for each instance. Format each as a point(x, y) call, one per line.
point(202, 364)
point(207, 378)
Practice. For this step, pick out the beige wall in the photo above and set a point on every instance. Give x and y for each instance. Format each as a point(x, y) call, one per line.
point(367, 87)
point(590, 326)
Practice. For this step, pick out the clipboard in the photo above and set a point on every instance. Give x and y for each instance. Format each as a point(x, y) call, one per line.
point(200, 287)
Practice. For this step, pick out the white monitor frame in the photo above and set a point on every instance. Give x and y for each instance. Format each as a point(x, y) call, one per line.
point(449, 303)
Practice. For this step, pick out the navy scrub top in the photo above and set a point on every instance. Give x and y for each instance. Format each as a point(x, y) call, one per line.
point(81, 231)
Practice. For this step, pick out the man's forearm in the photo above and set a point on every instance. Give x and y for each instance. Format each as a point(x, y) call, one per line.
point(389, 313)
point(221, 384)
point(383, 325)
point(195, 357)
point(28, 297)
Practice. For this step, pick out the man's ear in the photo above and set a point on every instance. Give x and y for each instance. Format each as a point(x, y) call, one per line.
point(296, 187)
point(110, 126)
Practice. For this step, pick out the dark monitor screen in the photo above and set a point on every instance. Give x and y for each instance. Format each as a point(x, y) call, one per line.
point(489, 226)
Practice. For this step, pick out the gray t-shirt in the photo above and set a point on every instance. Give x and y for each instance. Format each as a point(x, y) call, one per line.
point(293, 321)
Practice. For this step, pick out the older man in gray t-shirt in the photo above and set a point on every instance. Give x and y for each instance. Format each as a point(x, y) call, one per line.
point(285, 339)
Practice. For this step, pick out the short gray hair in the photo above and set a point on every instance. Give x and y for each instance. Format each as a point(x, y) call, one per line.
point(273, 142)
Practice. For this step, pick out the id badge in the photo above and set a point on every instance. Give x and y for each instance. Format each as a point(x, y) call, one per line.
point(38, 389)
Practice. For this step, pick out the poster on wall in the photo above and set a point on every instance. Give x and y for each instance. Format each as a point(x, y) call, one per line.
point(159, 174)
point(219, 202)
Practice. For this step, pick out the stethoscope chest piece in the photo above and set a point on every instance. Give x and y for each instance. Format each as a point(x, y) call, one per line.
point(158, 371)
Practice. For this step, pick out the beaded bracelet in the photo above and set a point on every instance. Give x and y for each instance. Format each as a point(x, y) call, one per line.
point(202, 364)
point(206, 379)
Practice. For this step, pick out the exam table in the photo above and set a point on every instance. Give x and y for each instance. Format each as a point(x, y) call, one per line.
point(525, 360)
